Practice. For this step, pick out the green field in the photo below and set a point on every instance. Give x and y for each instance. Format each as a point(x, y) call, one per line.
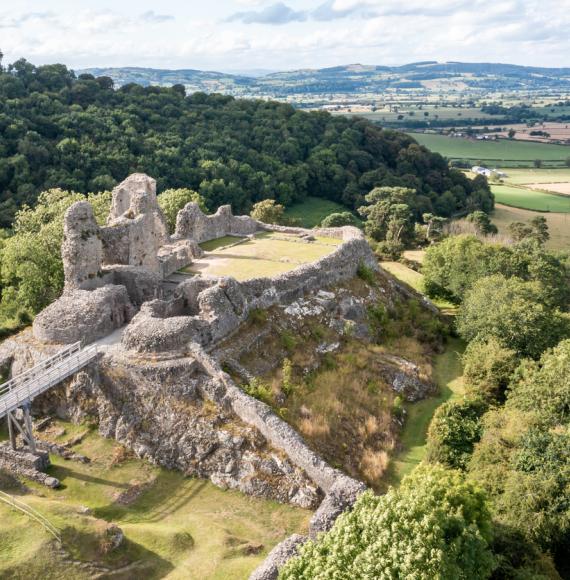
point(433, 113)
point(313, 210)
point(502, 153)
point(174, 526)
point(531, 175)
point(531, 199)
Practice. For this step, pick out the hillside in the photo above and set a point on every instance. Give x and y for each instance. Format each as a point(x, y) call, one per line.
point(82, 135)
point(354, 79)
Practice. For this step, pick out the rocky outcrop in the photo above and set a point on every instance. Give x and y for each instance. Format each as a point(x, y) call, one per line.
point(83, 315)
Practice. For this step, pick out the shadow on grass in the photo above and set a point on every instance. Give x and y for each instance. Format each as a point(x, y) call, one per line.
point(62, 473)
point(129, 560)
point(169, 492)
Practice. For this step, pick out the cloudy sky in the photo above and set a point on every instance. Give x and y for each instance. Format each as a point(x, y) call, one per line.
point(230, 35)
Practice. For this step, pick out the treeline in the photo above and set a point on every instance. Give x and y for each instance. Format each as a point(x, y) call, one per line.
point(492, 499)
point(82, 135)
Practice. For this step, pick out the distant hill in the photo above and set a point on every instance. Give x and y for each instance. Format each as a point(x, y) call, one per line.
point(428, 76)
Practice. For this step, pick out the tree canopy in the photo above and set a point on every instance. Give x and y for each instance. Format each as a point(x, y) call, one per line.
point(79, 134)
point(435, 525)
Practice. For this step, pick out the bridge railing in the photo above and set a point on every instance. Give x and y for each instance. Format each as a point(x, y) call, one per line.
point(24, 387)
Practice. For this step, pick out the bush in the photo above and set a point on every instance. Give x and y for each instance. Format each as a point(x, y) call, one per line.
point(366, 273)
point(337, 220)
point(171, 201)
point(436, 525)
point(259, 390)
point(453, 431)
point(488, 368)
point(513, 312)
point(268, 212)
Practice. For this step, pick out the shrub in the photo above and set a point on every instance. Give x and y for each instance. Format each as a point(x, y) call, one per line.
point(171, 201)
point(268, 211)
point(453, 431)
point(366, 273)
point(488, 368)
point(288, 384)
point(259, 390)
point(288, 341)
point(436, 525)
point(337, 220)
point(513, 312)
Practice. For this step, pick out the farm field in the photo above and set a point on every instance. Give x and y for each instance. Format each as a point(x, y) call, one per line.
point(460, 114)
point(174, 526)
point(558, 224)
point(313, 210)
point(531, 199)
point(527, 176)
point(501, 153)
point(266, 255)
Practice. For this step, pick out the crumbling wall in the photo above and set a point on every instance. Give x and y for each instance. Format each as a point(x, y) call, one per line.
point(84, 315)
point(192, 223)
point(226, 303)
point(81, 249)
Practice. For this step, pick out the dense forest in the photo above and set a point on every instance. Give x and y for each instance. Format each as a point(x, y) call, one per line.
point(80, 134)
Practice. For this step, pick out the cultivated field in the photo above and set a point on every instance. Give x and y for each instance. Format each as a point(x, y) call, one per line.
point(267, 255)
point(174, 526)
point(531, 199)
point(556, 132)
point(558, 224)
point(501, 153)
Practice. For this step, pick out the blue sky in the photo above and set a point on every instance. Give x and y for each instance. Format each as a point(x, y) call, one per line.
point(232, 35)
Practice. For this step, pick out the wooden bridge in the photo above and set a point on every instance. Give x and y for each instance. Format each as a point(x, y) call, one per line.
point(20, 391)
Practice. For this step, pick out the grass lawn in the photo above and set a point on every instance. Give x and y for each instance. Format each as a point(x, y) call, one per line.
point(497, 151)
point(266, 255)
point(558, 224)
point(416, 281)
point(212, 245)
point(174, 526)
point(531, 199)
point(313, 210)
point(447, 374)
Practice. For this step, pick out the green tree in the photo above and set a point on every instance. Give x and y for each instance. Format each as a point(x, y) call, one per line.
point(338, 219)
point(453, 432)
point(488, 368)
point(436, 525)
point(268, 212)
point(172, 201)
point(388, 215)
point(513, 312)
point(482, 223)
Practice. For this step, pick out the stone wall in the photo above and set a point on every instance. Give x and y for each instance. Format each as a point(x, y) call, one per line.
point(222, 304)
point(192, 223)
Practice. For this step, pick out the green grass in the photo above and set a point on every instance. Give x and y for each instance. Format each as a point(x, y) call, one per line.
point(180, 527)
point(498, 152)
point(447, 375)
point(266, 255)
point(313, 210)
point(531, 199)
point(212, 245)
point(416, 281)
point(533, 175)
point(558, 224)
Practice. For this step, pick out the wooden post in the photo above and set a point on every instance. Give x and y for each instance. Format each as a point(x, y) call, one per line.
point(29, 431)
point(11, 431)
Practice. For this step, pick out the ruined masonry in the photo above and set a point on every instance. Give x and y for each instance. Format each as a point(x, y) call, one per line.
point(154, 390)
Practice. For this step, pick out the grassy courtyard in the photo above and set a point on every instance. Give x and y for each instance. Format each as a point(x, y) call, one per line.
point(266, 255)
point(174, 526)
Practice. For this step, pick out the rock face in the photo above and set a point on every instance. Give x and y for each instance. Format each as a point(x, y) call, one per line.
point(82, 248)
point(84, 315)
point(288, 548)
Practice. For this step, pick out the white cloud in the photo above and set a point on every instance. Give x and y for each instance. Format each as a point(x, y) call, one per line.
point(312, 33)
